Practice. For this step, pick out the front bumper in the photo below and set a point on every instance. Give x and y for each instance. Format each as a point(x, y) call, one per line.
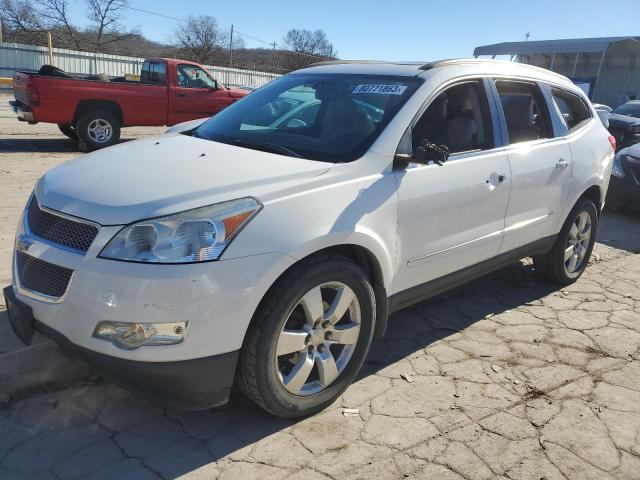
point(217, 299)
point(195, 384)
point(25, 114)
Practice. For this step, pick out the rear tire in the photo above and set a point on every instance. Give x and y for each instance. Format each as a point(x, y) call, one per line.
point(306, 376)
point(69, 131)
point(98, 129)
point(570, 254)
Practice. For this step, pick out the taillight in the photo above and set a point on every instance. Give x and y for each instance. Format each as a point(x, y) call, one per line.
point(613, 142)
point(32, 95)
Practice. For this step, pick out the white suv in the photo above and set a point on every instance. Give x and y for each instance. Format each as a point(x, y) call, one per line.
point(266, 247)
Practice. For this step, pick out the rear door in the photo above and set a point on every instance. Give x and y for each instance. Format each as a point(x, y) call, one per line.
point(540, 163)
point(196, 94)
point(452, 216)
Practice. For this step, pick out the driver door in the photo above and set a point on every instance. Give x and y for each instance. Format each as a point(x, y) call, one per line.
point(196, 94)
point(452, 216)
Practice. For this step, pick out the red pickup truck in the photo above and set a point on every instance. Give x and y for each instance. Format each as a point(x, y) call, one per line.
point(93, 109)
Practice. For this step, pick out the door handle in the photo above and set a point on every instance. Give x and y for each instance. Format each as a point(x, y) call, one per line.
point(562, 163)
point(181, 94)
point(502, 178)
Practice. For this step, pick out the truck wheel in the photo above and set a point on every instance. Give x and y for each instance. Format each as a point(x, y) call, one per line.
point(570, 254)
point(98, 129)
point(69, 131)
point(308, 338)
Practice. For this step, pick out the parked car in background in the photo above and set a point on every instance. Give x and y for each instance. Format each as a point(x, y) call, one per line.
point(93, 110)
point(268, 258)
point(624, 189)
point(624, 124)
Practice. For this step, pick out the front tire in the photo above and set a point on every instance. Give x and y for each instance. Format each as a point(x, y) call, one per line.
point(98, 129)
point(309, 337)
point(569, 257)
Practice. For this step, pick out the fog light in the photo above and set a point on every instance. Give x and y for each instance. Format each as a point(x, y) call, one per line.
point(134, 335)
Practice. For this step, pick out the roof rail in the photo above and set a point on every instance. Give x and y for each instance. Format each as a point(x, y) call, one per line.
point(455, 61)
point(346, 62)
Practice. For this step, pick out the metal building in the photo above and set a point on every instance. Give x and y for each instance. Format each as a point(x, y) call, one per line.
point(608, 68)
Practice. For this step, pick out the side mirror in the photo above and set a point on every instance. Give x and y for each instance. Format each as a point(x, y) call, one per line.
point(430, 152)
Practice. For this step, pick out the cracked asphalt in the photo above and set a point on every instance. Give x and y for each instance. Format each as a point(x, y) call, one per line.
point(507, 377)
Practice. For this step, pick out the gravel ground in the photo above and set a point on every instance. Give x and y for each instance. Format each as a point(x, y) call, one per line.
point(507, 377)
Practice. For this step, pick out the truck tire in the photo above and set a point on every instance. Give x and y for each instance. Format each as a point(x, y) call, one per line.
point(98, 129)
point(309, 337)
point(69, 131)
point(569, 257)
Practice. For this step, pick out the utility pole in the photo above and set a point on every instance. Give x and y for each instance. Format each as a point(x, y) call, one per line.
point(0, 30)
point(231, 48)
point(273, 57)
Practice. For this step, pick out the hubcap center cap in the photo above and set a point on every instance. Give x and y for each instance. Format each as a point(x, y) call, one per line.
point(317, 336)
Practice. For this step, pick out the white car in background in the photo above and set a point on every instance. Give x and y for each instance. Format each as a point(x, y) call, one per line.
point(268, 258)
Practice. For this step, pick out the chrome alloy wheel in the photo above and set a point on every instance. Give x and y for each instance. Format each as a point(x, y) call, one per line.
point(577, 243)
point(100, 131)
point(318, 338)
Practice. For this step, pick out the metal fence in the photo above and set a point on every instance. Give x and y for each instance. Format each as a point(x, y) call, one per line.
point(18, 57)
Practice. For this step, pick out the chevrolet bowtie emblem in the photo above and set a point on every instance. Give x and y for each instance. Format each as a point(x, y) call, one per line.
point(24, 243)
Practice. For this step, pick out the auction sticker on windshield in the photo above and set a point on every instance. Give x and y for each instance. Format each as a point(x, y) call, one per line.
point(381, 89)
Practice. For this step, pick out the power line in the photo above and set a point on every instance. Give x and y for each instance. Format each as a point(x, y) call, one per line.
point(271, 44)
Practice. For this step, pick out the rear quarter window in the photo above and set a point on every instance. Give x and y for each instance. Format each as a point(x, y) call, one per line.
point(575, 112)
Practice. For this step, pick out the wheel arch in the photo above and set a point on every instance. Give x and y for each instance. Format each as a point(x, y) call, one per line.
point(361, 256)
point(86, 106)
point(593, 193)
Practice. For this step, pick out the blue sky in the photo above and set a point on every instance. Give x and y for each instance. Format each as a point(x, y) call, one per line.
point(401, 30)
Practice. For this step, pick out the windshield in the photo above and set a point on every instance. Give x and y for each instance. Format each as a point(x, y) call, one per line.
point(631, 109)
point(332, 118)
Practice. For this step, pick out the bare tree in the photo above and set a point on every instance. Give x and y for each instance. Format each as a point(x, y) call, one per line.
point(201, 39)
point(307, 47)
point(20, 20)
point(105, 15)
point(54, 16)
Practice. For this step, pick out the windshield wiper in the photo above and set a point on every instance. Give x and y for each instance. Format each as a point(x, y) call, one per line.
point(267, 147)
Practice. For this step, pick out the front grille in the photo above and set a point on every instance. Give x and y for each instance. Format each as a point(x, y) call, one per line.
point(60, 230)
point(42, 277)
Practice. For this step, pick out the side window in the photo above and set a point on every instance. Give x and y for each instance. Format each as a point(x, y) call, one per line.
point(525, 111)
point(458, 118)
point(190, 76)
point(575, 112)
point(153, 72)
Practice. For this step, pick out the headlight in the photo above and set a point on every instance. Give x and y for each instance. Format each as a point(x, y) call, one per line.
point(198, 235)
point(129, 336)
point(617, 170)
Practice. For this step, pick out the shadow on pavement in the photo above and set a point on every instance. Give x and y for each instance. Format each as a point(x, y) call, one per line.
point(620, 229)
point(42, 145)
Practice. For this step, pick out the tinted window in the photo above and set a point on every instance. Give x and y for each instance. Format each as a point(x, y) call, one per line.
point(575, 112)
point(190, 76)
point(525, 111)
point(458, 118)
point(329, 117)
point(153, 72)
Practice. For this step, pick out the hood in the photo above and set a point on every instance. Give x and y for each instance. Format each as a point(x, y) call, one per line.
point(617, 120)
point(167, 174)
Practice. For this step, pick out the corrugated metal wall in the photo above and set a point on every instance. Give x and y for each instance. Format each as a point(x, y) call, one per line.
point(16, 56)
